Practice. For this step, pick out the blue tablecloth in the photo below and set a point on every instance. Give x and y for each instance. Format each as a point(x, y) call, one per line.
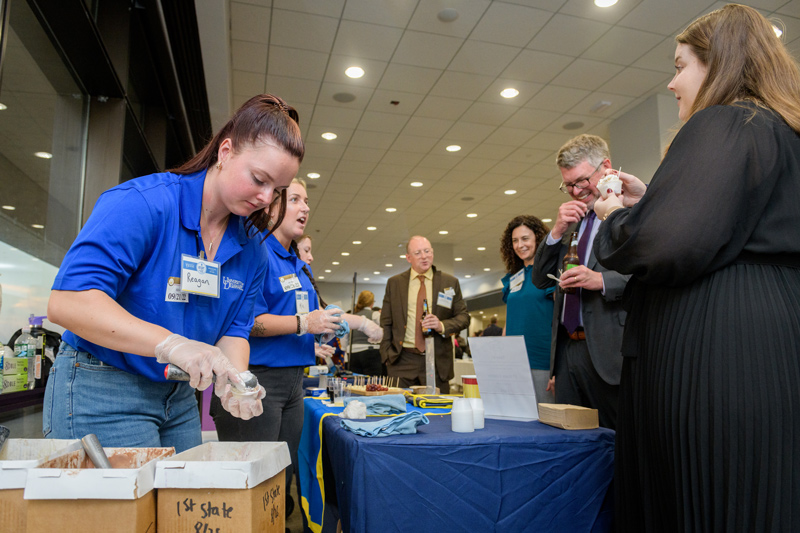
point(510, 476)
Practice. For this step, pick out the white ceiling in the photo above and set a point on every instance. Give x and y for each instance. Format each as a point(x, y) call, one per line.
point(562, 55)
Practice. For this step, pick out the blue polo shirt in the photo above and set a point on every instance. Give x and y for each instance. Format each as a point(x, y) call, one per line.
point(529, 312)
point(282, 350)
point(130, 248)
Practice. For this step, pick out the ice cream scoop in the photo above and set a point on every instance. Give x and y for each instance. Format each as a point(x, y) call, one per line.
point(609, 181)
point(95, 452)
point(176, 373)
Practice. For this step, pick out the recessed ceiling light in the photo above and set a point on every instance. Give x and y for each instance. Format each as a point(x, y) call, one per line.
point(313, 175)
point(371, 228)
point(345, 253)
point(458, 259)
point(37, 226)
point(328, 136)
point(44, 155)
point(416, 184)
point(354, 72)
point(510, 192)
point(481, 312)
point(389, 265)
point(366, 279)
point(328, 270)
point(390, 209)
point(604, 3)
point(481, 248)
point(472, 215)
point(486, 269)
point(547, 220)
point(443, 232)
point(376, 272)
point(509, 93)
point(777, 30)
point(9, 207)
point(3, 107)
point(356, 242)
point(467, 276)
point(453, 148)
point(403, 256)
point(335, 262)
point(322, 277)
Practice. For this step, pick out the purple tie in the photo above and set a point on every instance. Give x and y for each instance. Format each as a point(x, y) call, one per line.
point(572, 302)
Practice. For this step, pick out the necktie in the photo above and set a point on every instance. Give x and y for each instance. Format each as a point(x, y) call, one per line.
point(419, 340)
point(572, 302)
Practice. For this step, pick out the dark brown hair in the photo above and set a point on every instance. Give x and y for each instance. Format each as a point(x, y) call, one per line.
point(745, 61)
point(510, 257)
point(365, 299)
point(264, 117)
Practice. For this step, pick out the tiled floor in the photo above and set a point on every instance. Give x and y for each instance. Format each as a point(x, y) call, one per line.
point(26, 423)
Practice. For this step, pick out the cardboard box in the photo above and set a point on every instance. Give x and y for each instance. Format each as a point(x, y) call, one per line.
point(120, 499)
point(16, 458)
point(17, 365)
point(223, 487)
point(566, 416)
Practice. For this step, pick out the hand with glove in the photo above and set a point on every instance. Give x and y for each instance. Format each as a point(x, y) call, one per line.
point(372, 330)
point(342, 330)
point(321, 321)
point(201, 361)
point(244, 405)
point(323, 351)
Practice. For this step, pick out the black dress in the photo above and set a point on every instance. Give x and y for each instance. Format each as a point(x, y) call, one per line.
point(710, 390)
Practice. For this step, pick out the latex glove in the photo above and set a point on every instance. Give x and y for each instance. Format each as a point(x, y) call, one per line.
point(244, 405)
point(372, 330)
point(323, 351)
point(343, 329)
point(602, 207)
point(320, 321)
point(200, 360)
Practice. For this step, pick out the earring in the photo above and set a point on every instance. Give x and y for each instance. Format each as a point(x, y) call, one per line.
point(270, 223)
point(219, 165)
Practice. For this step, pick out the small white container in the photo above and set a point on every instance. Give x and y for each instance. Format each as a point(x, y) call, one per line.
point(477, 412)
point(461, 416)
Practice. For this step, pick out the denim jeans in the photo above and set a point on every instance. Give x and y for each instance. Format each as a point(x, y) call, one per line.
point(282, 419)
point(85, 395)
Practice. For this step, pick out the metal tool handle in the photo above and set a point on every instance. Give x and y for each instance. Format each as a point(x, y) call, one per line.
point(94, 450)
point(176, 373)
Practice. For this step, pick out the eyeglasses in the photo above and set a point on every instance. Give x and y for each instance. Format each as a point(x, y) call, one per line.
point(419, 253)
point(581, 183)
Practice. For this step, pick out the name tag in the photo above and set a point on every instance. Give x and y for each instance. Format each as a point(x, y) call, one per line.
point(301, 300)
point(444, 300)
point(516, 281)
point(450, 291)
point(199, 276)
point(289, 282)
point(174, 292)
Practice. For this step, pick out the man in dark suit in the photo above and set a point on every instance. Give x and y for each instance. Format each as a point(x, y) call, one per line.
point(585, 358)
point(403, 346)
point(493, 330)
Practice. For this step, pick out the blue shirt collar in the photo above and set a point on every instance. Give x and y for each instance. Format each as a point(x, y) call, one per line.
point(192, 205)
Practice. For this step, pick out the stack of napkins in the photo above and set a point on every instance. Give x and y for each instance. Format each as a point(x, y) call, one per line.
point(399, 425)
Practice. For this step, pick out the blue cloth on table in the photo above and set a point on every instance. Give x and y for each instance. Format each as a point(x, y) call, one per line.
point(398, 425)
point(388, 404)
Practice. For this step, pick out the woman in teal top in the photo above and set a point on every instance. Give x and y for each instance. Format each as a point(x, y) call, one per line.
point(529, 311)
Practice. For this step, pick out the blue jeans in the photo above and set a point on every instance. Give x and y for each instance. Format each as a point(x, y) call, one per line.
point(85, 395)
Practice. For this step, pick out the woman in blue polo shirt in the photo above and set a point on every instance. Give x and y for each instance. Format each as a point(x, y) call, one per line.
point(529, 311)
point(166, 270)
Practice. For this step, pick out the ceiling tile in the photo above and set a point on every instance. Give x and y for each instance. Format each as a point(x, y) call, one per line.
point(664, 18)
point(409, 79)
point(588, 10)
point(303, 30)
point(469, 13)
point(622, 46)
point(461, 85)
point(510, 24)
point(512, 137)
point(373, 70)
point(250, 23)
point(330, 91)
point(283, 62)
point(395, 13)
point(372, 121)
point(586, 74)
point(370, 41)
point(555, 98)
point(429, 127)
point(443, 107)
point(328, 8)
point(469, 132)
point(248, 82)
point(531, 119)
point(526, 91)
point(485, 113)
point(635, 81)
point(568, 35)
point(483, 58)
point(584, 107)
point(539, 67)
point(249, 57)
point(426, 49)
point(382, 102)
point(414, 143)
point(334, 118)
point(295, 90)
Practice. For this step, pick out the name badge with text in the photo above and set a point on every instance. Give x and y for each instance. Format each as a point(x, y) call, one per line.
point(445, 301)
point(289, 282)
point(174, 292)
point(199, 276)
point(515, 283)
point(301, 299)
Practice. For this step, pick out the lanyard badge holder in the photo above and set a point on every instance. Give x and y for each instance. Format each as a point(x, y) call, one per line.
point(199, 276)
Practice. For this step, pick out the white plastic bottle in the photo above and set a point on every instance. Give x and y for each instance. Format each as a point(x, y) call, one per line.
point(25, 345)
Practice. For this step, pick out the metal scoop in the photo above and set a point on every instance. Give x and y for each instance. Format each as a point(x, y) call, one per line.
point(95, 452)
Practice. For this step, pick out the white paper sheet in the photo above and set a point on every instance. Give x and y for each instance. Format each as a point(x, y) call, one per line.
point(504, 377)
